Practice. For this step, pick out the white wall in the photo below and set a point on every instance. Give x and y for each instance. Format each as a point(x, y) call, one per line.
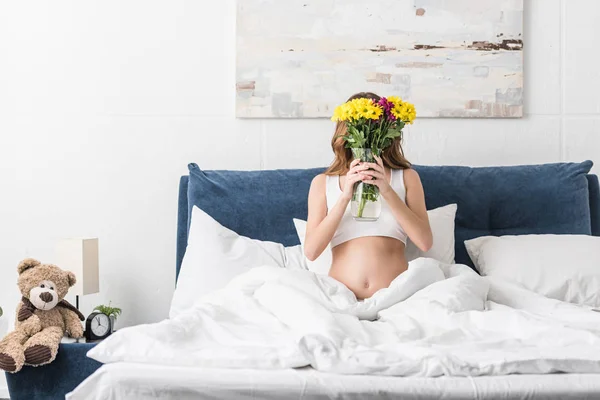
point(103, 103)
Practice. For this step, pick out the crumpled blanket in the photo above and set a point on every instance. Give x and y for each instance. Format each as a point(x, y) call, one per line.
point(434, 319)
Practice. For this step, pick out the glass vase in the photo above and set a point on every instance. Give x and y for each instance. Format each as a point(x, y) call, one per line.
point(366, 202)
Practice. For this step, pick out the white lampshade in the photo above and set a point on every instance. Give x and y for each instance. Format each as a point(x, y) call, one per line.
point(80, 256)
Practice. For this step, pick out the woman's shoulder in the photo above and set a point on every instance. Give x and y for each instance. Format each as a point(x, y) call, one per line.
point(318, 187)
point(319, 182)
point(411, 177)
point(319, 179)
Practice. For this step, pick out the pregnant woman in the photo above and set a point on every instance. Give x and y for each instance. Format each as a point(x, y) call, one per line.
point(367, 255)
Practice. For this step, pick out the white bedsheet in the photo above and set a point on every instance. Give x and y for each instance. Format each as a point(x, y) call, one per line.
point(433, 320)
point(145, 382)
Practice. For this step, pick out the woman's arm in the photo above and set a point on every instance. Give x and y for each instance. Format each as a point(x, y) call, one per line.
point(412, 215)
point(323, 223)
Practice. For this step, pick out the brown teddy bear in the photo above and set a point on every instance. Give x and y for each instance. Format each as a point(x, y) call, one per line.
point(43, 317)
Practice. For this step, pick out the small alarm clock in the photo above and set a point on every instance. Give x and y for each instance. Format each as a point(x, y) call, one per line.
point(98, 326)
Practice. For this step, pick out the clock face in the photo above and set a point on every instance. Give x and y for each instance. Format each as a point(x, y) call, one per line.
point(100, 325)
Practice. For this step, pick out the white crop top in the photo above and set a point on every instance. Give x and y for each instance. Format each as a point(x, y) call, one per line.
point(385, 225)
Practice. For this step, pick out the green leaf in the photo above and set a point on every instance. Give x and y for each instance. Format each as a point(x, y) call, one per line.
point(109, 311)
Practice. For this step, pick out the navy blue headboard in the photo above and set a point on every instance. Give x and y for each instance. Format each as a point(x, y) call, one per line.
point(594, 187)
point(182, 222)
point(491, 201)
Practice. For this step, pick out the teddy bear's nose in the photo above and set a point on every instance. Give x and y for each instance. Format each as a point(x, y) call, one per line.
point(46, 297)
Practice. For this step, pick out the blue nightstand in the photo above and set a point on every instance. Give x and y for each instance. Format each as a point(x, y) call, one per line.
point(55, 380)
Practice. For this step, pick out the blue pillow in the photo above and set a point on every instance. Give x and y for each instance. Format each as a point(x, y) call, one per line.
point(256, 204)
point(517, 200)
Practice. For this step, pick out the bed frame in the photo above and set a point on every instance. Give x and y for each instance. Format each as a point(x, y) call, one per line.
point(72, 366)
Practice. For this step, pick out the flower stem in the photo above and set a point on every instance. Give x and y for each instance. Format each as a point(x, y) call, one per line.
point(361, 206)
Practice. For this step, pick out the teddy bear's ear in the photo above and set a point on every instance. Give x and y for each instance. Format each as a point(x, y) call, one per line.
point(27, 264)
point(72, 279)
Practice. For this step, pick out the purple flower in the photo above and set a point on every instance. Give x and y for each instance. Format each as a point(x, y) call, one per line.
point(387, 108)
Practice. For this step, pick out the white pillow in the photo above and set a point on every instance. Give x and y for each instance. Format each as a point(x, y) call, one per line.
point(441, 221)
point(215, 255)
point(562, 267)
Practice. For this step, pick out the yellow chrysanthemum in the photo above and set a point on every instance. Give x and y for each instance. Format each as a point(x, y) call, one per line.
point(403, 110)
point(337, 114)
point(411, 113)
point(365, 108)
point(357, 109)
point(342, 113)
point(395, 99)
point(375, 112)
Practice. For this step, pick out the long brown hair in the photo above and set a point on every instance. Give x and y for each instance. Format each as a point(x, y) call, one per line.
point(392, 157)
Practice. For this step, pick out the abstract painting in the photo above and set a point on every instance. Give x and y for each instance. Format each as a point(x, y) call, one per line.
point(457, 58)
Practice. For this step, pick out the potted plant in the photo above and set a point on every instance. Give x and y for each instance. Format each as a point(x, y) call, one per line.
point(111, 312)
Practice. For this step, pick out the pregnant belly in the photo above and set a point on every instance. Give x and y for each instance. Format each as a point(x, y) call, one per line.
point(368, 264)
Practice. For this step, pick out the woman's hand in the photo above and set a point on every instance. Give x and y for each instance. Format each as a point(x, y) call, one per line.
point(355, 174)
point(376, 176)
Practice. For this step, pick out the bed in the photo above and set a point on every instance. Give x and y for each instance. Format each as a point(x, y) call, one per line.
point(552, 198)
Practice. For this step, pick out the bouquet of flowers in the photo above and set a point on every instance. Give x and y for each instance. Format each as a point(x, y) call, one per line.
point(372, 126)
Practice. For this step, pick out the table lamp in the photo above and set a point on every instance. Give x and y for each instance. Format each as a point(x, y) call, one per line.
point(80, 256)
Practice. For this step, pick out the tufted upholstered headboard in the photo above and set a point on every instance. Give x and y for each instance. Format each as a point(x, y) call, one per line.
point(558, 198)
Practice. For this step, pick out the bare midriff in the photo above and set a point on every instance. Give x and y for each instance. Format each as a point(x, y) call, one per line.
point(368, 264)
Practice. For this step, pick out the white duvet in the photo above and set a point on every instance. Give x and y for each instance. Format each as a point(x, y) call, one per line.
point(433, 320)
